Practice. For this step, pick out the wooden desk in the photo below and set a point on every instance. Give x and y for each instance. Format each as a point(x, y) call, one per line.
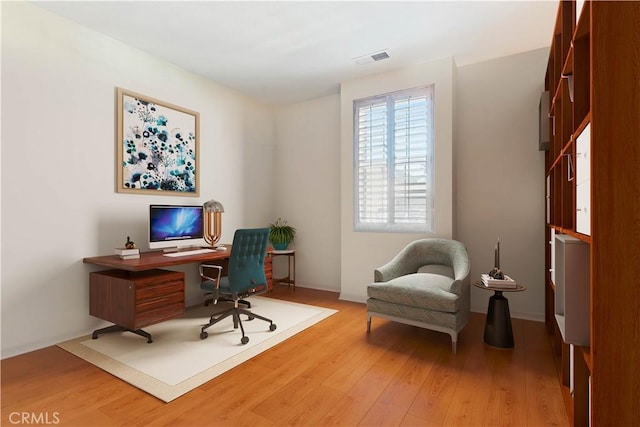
point(136, 293)
point(155, 259)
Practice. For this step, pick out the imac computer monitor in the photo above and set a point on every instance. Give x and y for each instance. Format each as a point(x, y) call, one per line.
point(175, 226)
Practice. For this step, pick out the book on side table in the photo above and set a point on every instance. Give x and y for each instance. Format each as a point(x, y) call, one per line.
point(506, 283)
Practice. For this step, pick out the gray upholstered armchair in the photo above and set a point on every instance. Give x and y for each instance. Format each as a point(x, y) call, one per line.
point(425, 285)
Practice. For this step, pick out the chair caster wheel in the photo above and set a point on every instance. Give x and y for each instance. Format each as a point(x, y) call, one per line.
point(244, 340)
point(250, 317)
point(272, 327)
point(203, 335)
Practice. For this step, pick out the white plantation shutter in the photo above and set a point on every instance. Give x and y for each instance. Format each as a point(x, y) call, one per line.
point(393, 154)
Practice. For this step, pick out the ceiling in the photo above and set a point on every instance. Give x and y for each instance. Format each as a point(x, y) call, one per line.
point(283, 51)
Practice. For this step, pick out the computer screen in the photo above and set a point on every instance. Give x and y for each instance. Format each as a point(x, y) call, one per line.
point(175, 226)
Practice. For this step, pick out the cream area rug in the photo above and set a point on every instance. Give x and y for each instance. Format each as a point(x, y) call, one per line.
point(178, 361)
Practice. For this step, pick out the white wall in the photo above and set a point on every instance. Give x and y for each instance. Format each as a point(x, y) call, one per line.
point(495, 136)
point(58, 166)
point(500, 174)
point(307, 185)
point(59, 204)
point(363, 252)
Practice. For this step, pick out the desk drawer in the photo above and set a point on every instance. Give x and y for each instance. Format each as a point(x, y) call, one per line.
point(158, 290)
point(170, 311)
point(153, 278)
point(159, 302)
point(268, 270)
point(115, 295)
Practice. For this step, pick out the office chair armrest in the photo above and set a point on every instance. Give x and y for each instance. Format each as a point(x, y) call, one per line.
point(204, 276)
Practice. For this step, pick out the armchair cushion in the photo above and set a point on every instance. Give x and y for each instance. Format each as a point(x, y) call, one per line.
point(422, 290)
point(443, 270)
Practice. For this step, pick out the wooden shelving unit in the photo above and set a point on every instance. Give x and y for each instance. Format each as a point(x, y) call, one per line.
point(593, 78)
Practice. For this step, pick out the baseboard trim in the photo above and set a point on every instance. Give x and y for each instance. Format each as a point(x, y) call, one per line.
point(353, 297)
point(534, 317)
point(316, 287)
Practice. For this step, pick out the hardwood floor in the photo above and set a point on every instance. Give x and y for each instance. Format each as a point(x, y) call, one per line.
point(331, 374)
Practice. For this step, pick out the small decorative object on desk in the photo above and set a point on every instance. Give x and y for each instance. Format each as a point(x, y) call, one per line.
point(129, 244)
point(130, 251)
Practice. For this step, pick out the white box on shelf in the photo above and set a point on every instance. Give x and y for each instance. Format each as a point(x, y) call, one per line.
point(583, 207)
point(572, 297)
point(572, 368)
point(552, 244)
point(579, 7)
point(583, 181)
point(583, 155)
point(548, 199)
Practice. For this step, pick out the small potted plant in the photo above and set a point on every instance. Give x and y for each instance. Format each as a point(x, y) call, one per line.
point(281, 234)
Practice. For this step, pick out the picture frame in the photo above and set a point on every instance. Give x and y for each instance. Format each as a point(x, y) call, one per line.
point(157, 146)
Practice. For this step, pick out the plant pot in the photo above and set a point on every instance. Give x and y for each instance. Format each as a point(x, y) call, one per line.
point(280, 246)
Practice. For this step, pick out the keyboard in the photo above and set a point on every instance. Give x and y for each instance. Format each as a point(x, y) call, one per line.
point(190, 252)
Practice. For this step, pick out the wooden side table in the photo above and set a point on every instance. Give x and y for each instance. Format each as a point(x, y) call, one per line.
point(290, 278)
point(497, 329)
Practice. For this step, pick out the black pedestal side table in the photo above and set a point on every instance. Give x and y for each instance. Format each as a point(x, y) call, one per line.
point(497, 329)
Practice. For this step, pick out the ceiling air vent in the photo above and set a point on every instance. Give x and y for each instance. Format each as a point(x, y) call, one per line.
point(371, 57)
point(380, 56)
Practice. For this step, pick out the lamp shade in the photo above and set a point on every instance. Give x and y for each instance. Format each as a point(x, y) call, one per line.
point(212, 221)
point(213, 206)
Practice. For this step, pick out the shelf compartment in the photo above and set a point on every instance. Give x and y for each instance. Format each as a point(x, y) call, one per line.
point(581, 66)
point(586, 354)
point(567, 191)
point(584, 21)
point(583, 181)
point(571, 305)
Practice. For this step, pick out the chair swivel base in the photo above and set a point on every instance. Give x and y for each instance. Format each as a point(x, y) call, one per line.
point(210, 301)
point(118, 328)
point(235, 312)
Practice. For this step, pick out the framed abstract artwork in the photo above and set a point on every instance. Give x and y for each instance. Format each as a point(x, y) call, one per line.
point(157, 147)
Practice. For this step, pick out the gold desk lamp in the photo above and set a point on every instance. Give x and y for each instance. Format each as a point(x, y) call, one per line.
point(212, 221)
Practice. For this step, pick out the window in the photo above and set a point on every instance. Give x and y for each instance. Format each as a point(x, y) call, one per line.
point(393, 155)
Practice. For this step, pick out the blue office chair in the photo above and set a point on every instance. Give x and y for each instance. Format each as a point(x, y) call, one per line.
point(245, 277)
